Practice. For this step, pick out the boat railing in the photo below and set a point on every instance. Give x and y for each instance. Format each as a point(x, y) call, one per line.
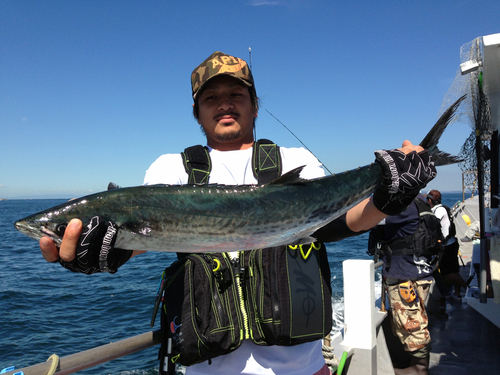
point(89, 358)
point(362, 337)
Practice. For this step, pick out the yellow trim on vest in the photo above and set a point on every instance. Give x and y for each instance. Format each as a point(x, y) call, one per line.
point(314, 245)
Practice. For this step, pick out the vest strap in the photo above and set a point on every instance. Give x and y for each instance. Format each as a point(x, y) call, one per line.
point(197, 164)
point(266, 161)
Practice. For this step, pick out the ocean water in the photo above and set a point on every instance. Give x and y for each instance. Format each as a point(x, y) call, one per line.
point(45, 309)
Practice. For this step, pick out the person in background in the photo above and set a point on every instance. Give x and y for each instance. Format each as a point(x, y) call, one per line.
point(226, 107)
point(472, 231)
point(448, 265)
point(404, 245)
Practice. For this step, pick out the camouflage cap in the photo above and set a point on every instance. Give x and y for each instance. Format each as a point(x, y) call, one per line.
point(220, 63)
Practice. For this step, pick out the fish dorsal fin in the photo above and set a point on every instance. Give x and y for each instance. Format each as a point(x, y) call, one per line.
point(113, 186)
point(290, 178)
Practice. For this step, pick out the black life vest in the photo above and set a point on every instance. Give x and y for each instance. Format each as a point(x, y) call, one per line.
point(274, 296)
point(427, 240)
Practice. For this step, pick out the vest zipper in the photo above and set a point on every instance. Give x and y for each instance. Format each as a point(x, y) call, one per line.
point(238, 271)
point(215, 289)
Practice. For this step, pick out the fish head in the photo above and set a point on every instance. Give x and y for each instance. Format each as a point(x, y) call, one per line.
point(49, 223)
point(35, 227)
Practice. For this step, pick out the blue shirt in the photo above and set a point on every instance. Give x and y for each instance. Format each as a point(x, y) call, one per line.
point(404, 267)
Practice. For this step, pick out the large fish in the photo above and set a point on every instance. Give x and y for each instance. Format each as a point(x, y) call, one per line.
point(218, 218)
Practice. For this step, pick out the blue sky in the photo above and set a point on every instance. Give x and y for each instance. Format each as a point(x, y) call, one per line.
point(95, 91)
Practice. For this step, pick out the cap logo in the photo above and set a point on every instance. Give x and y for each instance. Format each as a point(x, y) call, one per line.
point(228, 64)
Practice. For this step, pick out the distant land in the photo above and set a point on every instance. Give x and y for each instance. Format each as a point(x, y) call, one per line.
point(35, 197)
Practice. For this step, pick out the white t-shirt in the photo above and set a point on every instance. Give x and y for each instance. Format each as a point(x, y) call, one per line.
point(230, 167)
point(441, 213)
point(235, 168)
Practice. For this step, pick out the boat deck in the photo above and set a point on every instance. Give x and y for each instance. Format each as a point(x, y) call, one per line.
point(465, 342)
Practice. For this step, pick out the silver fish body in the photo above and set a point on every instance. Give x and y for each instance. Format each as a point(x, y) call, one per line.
point(219, 218)
point(213, 218)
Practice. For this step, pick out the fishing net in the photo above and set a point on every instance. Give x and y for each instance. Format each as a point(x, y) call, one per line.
point(475, 112)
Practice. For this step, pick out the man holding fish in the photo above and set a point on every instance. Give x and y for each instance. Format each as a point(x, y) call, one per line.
point(226, 106)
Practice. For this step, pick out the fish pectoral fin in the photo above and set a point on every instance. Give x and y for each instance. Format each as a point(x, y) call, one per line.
point(123, 240)
point(290, 178)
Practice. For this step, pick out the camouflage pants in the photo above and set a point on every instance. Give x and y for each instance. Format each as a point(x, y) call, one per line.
point(409, 320)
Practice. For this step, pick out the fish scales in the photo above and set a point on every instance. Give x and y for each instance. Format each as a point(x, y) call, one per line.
point(243, 217)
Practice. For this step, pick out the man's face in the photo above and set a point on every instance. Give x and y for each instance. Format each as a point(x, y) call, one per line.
point(226, 113)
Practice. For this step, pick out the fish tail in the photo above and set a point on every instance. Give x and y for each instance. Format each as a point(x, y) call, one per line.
point(431, 140)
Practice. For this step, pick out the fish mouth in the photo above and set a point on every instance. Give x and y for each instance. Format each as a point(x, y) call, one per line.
point(36, 233)
point(28, 230)
point(22, 227)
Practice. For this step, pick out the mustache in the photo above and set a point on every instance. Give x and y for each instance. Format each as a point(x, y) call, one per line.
point(227, 113)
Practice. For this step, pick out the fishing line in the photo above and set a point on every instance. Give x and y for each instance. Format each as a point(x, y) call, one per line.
point(307, 148)
point(255, 131)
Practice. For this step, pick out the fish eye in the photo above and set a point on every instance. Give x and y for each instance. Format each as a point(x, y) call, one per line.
point(60, 229)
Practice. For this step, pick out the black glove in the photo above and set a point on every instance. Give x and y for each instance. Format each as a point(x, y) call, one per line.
point(95, 251)
point(404, 177)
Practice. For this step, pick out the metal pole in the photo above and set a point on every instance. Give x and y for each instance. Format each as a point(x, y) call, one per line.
point(494, 170)
point(482, 238)
point(96, 356)
point(463, 187)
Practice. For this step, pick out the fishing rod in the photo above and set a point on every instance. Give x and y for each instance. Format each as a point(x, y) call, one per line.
point(255, 132)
